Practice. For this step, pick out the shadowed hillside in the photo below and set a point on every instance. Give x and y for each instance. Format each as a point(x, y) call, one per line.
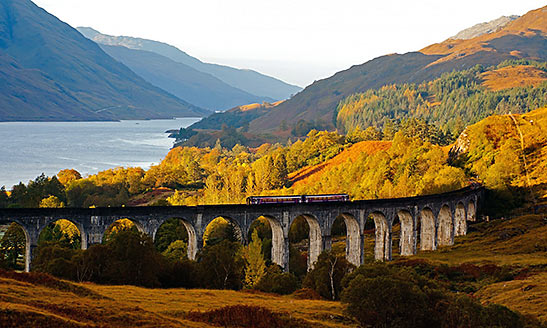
point(77, 70)
point(183, 81)
point(252, 82)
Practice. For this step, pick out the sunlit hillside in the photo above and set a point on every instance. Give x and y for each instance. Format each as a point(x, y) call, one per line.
point(512, 77)
point(314, 172)
point(494, 150)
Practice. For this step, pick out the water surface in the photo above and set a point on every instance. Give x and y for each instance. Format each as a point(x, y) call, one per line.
point(28, 149)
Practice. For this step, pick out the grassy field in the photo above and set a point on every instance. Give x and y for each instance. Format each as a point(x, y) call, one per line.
point(30, 301)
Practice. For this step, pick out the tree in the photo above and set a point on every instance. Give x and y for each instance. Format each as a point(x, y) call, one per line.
point(221, 266)
point(56, 260)
point(63, 233)
point(277, 281)
point(327, 274)
point(51, 202)
point(176, 251)
point(255, 265)
point(4, 198)
point(133, 260)
point(67, 176)
point(170, 231)
point(12, 246)
point(280, 176)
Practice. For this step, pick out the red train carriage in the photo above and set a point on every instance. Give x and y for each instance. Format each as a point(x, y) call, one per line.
point(294, 199)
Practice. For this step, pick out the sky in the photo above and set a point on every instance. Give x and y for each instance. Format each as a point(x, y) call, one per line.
point(297, 41)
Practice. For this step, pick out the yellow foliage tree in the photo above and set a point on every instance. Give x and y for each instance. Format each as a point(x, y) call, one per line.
point(51, 202)
point(255, 265)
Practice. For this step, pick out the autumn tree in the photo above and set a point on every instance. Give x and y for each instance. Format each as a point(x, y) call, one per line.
point(51, 202)
point(327, 274)
point(255, 265)
point(68, 175)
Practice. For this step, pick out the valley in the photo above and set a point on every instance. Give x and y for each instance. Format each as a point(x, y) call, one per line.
point(144, 186)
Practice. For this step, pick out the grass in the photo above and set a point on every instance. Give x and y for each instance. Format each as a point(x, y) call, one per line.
point(528, 296)
point(513, 76)
point(27, 303)
point(519, 241)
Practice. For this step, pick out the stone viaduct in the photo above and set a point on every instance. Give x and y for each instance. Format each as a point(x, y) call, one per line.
point(426, 223)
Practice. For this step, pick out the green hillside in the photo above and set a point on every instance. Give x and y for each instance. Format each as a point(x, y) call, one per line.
point(451, 102)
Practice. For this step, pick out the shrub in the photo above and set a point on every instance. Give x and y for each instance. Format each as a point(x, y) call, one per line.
point(387, 302)
point(381, 295)
point(326, 277)
point(276, 281)
point(242, 316)
point(180, 274)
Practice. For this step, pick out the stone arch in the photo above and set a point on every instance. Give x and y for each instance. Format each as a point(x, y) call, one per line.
point(279, 250)
point(407, 241)
point(445, 227)
point(136, 223)
point(78, 225)
point(29, 245)
point(428, 240)
point(382, 246)
point(354, 251)
point(192, 236)
point(233, 222)
point(471, 211)
point(315, 238)
point(460, 222)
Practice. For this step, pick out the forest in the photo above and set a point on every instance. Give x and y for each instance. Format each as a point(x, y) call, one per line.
point(451, 102)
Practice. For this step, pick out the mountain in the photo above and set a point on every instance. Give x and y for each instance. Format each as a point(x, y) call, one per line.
point(484, 28)
point(54, 73)
point(29, 94)
point(198, 88)
point(523, 38)
point(247, 80)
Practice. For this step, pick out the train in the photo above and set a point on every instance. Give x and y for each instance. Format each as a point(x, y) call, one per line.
point(297, 199)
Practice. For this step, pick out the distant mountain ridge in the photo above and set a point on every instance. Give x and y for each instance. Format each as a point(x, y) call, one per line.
point(51, 72)
point(185, 82)
point(247, 80)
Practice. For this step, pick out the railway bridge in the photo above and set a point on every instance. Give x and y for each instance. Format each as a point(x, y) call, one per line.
point(426, 222)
